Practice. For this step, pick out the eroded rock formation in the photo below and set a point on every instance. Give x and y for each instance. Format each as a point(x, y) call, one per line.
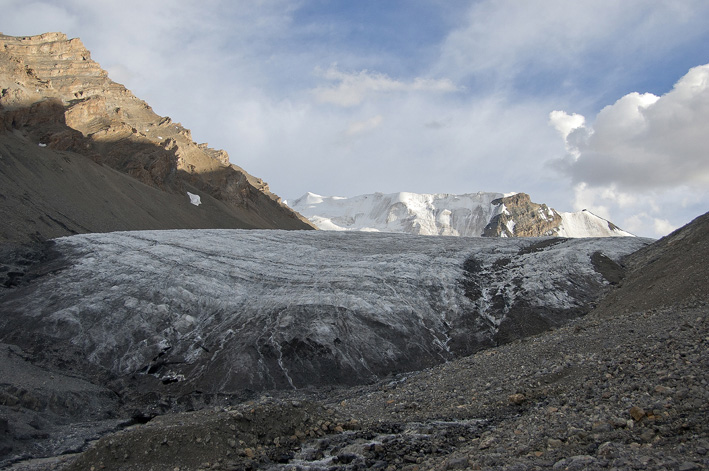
point(54, 96)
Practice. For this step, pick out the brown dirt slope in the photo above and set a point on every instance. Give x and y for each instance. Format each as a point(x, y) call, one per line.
point(674, 271)
point(57, 104)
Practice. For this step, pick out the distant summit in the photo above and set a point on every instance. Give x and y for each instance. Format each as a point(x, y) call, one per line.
point(80, 153)
point(471, 215)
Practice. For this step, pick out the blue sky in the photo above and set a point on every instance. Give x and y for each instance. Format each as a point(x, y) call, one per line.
point(593, 104)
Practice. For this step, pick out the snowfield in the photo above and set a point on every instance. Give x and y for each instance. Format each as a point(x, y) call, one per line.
point(432, 214)
point(410, 213)
point(586, 223)
point(222, 310)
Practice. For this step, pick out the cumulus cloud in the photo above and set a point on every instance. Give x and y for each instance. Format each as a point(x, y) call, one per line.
point(644, 155)
point(351, 89)
point(565, 123)
point(643, 141)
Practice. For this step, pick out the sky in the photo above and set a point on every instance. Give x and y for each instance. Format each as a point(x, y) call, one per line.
point(583, 104)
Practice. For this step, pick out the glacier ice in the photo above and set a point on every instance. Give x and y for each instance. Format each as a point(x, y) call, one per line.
point(224, 310)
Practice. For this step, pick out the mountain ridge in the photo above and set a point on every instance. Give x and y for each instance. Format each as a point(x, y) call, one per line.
point(485, 214)
point(57, 103)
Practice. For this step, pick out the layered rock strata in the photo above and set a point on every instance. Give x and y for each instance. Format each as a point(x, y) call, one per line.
point(54, 97)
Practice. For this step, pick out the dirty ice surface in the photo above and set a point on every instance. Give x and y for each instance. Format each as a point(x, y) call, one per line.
point(230, 309)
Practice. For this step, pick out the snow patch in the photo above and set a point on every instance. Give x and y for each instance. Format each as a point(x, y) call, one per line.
point(510, 226)
point(194, 199)
point(586, 224)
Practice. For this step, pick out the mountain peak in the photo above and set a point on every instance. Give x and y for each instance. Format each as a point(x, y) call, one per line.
point(471, 214)
point(56, 97)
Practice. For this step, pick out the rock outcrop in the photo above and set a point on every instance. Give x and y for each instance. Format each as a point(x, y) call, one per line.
point(518, 216)
point(522, 218)
point(53, 96)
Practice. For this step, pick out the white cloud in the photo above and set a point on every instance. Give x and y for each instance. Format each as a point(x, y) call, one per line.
point(501, 41)
point(649, 213)
point(31, 18)
point(359, 127)
point(644, 156)
point(643, 141)
point(663, 226)
point(565, 123)
point(351, 89)
point(638, 223)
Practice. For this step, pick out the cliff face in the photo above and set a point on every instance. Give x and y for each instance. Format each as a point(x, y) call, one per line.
point(53, 95)
point(518, 216)
point(522, 218)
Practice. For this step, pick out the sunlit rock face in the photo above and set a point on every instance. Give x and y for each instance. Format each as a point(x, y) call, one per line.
point(74, 143)
point(227, 310)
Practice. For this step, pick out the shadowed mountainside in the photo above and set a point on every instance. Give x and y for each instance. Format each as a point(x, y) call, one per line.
point(674, 271)
point(65, 128)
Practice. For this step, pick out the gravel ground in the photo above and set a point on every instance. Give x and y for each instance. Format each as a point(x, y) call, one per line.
point(625, 393)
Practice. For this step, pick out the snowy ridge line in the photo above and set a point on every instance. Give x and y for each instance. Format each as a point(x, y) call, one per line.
point(413, 213)
point(465, 215)
point(586, 224)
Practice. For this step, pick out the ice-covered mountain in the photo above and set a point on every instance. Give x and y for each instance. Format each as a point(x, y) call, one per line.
point(224, 310)
point(471, 215)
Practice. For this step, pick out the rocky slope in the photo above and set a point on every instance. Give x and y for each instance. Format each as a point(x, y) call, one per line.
point(470, 215)
point(66, 128)
point(520, 217)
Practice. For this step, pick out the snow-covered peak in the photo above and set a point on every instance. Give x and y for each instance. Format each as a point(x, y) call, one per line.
point(470, 215)
point(404, 212)
point(586, 224)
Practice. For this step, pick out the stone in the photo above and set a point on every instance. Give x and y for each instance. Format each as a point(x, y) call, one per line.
point(688, 466)
point(637, 413)
point(456, 463)
point(531, 219)
point(554, 443)
point(517, 398)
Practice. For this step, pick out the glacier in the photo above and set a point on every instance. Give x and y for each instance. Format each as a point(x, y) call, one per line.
point(228, 310)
